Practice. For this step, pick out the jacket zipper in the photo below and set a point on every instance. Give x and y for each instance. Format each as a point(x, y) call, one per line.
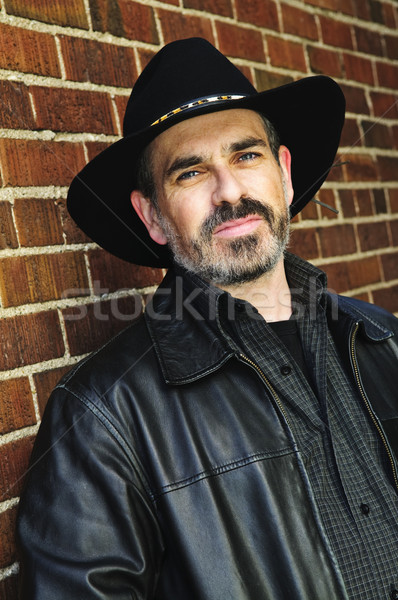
point(368, 406)
point(268, 384)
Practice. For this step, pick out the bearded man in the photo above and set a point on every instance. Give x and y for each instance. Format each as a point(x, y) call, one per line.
point(238, 440)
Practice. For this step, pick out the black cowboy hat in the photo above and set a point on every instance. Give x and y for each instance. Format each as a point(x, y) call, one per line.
point(184, 79)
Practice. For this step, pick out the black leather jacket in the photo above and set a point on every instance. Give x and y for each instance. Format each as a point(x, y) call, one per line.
point(165, 470)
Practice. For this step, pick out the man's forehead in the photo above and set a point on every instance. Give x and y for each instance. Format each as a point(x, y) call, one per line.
point(226, 129)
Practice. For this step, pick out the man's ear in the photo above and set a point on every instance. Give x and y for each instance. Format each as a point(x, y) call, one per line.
point(285, 160)
point(147, 213)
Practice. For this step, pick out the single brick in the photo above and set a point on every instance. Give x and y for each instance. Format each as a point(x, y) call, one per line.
point(387, 298)
point(324, 61)
point(393, 226)
point(368, 41)
point(351, 135)
point(299, 22)
point(393, 196)
point(114, 274)
point(30, 339)
point(42, 277)
point(376, 135)
point(31, 162)
point(38, 222)
point(45, 382)
point(364, 202)
point(362, 10)
point(125, 18)
point(266, 80)
point(263, 13)
point(390, 265)
point(70, 13)
point(8, 235)
point(360, 168)
point(363, 272)
point(337, 240)
point(336, 33)
point(8, 550)
point(28, 51)
point(388, 167)
point(60, 109)
point(284, 53)
point(94, 148)
point(387, 75)
point(394, 131)
point(16, 405)
point(336, 172)
point(358, 69)
point(144, 56)
point(73, 234)
point(337, 276)
point(347, 203)
point(389, 18)
point(176, 25)
point(240, 42)
point(355, 99)
point(90, 326)
point(218, 7)
point(89, 60)
point(327, 197)
point(303, 242)
point(309, 212)
point(121, 104)
point(16, 109)
point(391, 46)
point(384, 105)
point(13, 466)
point(379, 196)
point(372, 235)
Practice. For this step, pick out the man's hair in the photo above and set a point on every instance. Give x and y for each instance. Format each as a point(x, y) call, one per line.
point(144, 177)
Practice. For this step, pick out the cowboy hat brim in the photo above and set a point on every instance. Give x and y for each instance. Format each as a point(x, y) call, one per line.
point(308, 115)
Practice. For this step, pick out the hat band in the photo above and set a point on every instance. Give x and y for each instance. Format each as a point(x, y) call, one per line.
point(195, 103)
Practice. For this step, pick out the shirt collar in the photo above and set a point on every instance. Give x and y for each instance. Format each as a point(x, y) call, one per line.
point(307, 285)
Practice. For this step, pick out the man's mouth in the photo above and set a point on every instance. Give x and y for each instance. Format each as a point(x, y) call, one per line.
point(238, 227)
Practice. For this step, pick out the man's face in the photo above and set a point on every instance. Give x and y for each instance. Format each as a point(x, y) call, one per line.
point(222, 196)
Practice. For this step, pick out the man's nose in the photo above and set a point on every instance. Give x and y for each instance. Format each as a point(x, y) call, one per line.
point(228, 186)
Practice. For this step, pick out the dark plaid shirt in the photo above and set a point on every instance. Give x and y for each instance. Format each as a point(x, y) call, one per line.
point(346, 463)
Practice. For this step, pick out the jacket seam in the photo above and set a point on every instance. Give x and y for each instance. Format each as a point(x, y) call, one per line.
point(113, 432)
point(220, 469)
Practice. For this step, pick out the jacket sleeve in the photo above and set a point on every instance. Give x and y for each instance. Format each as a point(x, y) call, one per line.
point(86, 526)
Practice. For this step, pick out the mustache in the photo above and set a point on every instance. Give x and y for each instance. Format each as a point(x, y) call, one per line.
point(227, 212)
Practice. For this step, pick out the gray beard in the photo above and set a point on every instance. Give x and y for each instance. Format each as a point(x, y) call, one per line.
point(242, 259)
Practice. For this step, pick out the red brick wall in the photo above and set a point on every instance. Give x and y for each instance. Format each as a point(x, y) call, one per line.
point(66, 69)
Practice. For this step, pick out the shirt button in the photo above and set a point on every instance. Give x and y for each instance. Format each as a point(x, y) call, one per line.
point(394, 595)
point(286, 370)
point(366, 510)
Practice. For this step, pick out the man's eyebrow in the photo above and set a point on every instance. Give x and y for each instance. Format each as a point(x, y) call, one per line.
point(183, 162)
point(246, 143)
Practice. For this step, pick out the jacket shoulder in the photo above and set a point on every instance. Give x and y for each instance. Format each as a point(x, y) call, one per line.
point(116, 361)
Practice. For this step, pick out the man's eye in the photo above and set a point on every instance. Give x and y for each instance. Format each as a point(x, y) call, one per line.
point(187, 175)
point(248, 156)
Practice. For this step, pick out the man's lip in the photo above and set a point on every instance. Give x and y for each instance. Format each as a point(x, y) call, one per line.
point(237, 227)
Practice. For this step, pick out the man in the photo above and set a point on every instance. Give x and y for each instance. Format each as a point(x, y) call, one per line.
point(238, 440)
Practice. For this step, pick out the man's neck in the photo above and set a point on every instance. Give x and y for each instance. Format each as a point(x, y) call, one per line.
point(269, 294)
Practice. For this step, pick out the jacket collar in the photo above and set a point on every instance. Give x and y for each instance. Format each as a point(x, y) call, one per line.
point(186, 318)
